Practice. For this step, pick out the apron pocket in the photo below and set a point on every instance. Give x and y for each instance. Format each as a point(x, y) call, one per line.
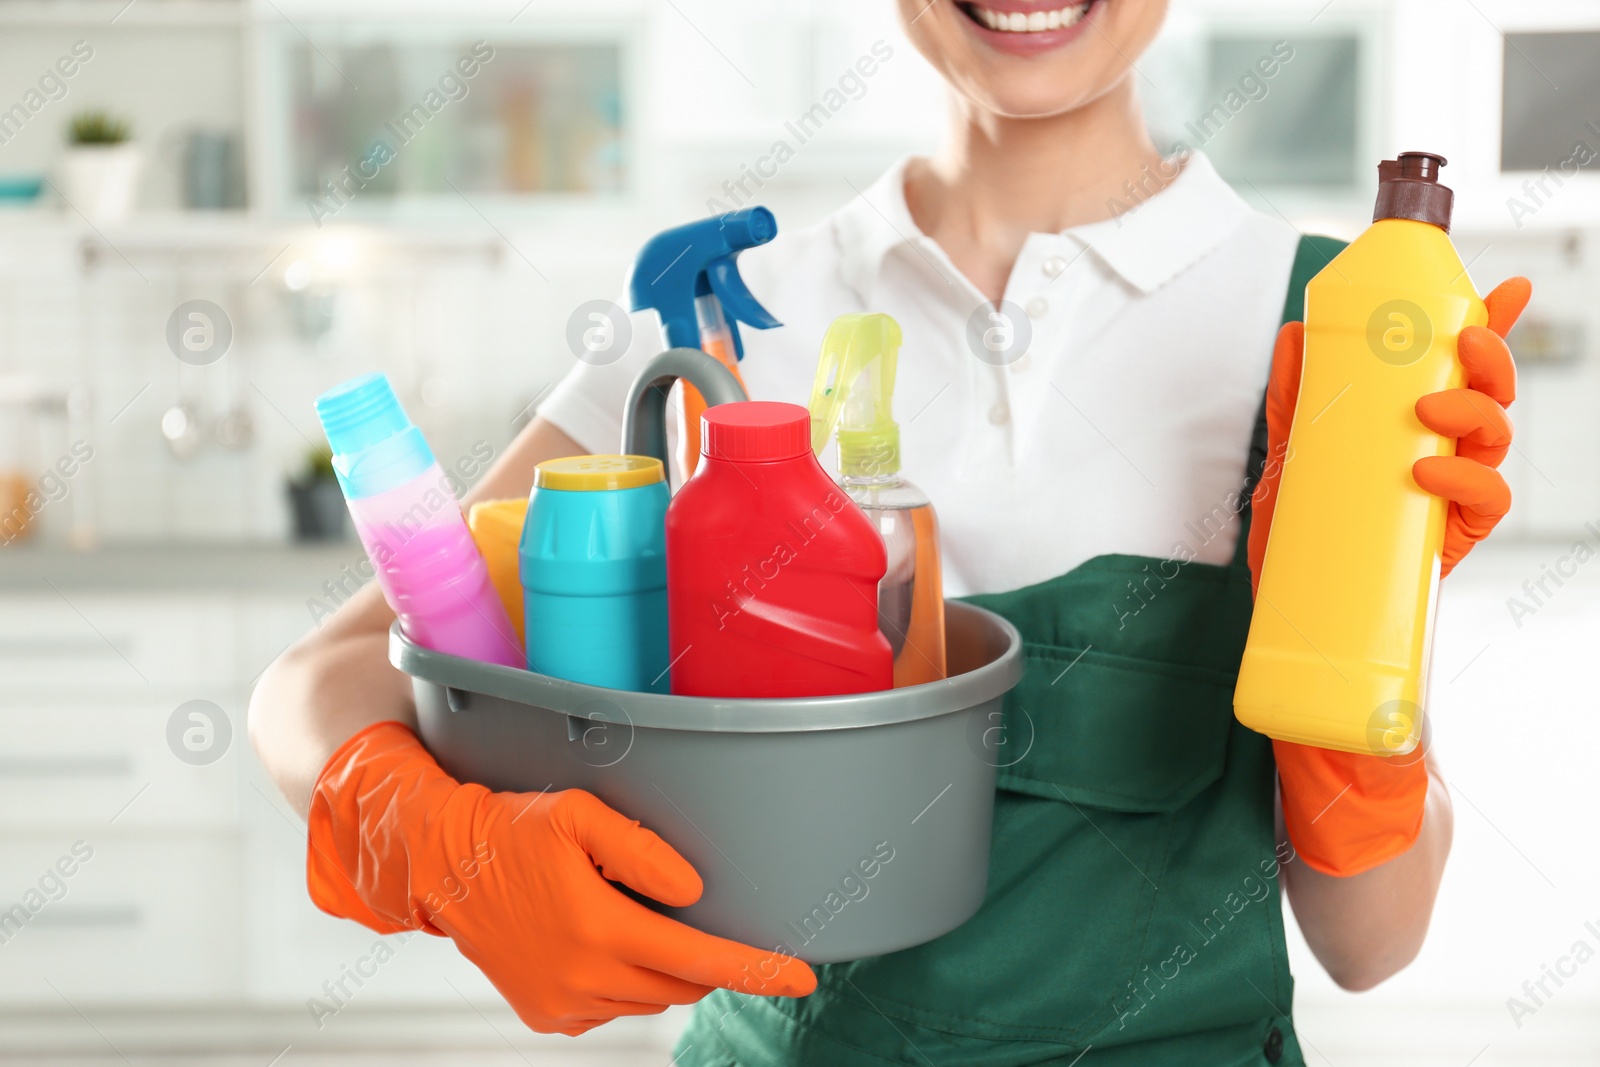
point(1114, 732)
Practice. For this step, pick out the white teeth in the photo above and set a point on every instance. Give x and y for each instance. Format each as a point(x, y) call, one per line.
point(1030, 22)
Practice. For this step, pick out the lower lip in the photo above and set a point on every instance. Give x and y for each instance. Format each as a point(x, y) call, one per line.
point(1030, 44)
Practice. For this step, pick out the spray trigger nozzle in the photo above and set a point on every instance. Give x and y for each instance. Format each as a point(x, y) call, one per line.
point(854, 391)
point(680, 265)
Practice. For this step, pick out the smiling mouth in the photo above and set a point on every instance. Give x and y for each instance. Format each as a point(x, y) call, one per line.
point(1027, 22)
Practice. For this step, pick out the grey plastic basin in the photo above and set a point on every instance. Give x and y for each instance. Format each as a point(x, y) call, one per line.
point(831, 828)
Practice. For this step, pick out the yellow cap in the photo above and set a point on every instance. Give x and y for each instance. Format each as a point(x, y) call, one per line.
point(589, 473)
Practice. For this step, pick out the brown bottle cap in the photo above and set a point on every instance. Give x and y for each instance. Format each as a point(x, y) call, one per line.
point(1408, 188)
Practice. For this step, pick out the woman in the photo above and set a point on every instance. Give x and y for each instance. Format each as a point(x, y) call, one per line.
point(1089, 487)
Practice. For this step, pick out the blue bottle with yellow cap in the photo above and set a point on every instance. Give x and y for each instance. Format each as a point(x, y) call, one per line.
point(594, 572)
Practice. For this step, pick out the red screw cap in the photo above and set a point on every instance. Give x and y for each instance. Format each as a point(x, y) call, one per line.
point(755, 431)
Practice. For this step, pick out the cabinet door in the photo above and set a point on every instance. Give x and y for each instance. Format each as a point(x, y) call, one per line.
point(118, 763)
point(267, 625)
point(96, 918)
point(83, 642)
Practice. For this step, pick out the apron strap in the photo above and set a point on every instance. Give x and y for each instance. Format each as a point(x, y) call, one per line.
point(1310, 256)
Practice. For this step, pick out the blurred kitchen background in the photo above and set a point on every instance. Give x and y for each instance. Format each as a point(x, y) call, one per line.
point(178, 279)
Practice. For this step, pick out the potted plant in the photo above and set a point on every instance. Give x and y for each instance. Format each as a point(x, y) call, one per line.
point(316, 500)
point(101, 172)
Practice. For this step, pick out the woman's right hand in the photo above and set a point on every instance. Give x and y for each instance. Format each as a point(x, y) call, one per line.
point(522, 884)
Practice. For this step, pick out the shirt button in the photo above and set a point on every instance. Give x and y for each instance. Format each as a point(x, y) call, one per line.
point(1021, 362)
point(1037, 308)
point(1272, 1048)
point(1000, 414)
point(1054, 266)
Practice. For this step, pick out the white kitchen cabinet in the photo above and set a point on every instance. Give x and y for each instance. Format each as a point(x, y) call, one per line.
point(195, 891)
point(68, 642)
point(266, 625)
point(294, 948)
point(1555, 488)
point(150, 918)
point(108, 762)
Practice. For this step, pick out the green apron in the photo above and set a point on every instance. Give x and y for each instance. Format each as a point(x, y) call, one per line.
point(1133, 914)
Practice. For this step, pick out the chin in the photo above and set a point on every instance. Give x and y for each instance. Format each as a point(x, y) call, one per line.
point(1032, 58)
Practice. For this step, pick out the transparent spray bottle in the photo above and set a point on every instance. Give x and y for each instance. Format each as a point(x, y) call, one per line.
point(853, 391)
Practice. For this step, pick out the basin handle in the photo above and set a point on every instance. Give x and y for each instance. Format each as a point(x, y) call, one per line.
point(644, 417)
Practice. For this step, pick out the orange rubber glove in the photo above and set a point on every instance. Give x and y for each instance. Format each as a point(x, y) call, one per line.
point(519, 882)
point(1347, 813)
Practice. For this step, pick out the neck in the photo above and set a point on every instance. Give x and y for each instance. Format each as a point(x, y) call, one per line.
point(999, 179)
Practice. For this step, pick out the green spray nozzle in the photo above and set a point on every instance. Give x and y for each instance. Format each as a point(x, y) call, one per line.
point(853, 391)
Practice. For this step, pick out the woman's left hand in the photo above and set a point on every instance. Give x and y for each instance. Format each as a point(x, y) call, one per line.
point(1348, 813)
point(1474, 415)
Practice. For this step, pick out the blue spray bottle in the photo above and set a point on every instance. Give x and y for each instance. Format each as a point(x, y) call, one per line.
point(690, 276)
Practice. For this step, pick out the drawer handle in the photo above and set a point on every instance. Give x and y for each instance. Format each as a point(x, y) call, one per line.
point(67, 767)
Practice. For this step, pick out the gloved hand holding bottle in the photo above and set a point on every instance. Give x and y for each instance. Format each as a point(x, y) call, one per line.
point(1347, 812)
point(523, 885)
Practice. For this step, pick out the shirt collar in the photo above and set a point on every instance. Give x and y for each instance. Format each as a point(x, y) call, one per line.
point(1159, 237)
point(1146, 245)
point(871, 226)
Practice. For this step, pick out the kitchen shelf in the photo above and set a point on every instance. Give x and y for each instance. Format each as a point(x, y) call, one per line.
point(174, 568)
point(222, 231)
point(124, 14)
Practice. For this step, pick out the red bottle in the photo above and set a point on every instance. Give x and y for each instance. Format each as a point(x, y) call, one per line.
point(772, 571)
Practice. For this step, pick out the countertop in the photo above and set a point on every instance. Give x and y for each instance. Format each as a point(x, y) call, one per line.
point(280, 567)
point(272, 567)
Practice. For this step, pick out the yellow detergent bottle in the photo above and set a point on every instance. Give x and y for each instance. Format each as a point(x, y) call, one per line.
point(1340, 636)
point(853, 390)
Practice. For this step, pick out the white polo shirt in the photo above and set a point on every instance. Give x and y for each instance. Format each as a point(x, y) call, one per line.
point(1122, 427)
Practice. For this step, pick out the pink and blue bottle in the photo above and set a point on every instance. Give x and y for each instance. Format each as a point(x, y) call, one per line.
point(408, 520)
